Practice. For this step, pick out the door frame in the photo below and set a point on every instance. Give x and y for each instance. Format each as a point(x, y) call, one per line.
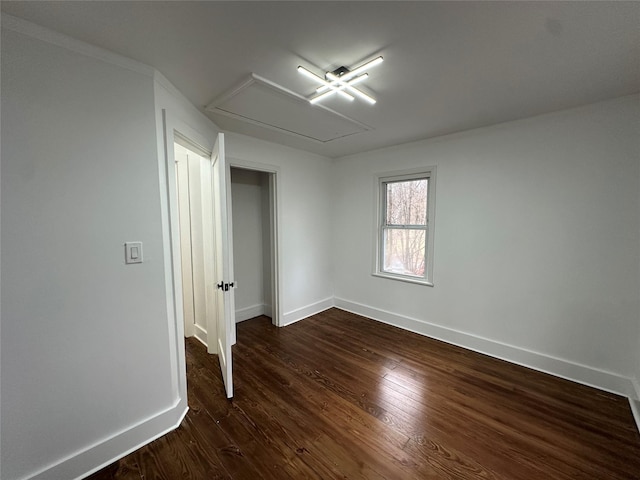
point(173, 129)
point(274, 229)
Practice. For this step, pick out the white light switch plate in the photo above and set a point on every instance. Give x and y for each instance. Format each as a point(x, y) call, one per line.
point(133, 252)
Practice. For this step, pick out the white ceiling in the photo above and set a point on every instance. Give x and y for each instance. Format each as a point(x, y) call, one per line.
point(449, 66)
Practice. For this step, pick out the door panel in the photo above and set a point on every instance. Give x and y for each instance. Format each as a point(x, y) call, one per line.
point(184, 215)
point(223, 262)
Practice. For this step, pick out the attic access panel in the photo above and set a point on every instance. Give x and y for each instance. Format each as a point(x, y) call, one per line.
point(261, 102)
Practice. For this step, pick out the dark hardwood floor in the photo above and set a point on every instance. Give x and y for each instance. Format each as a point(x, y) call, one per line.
point(341, 396)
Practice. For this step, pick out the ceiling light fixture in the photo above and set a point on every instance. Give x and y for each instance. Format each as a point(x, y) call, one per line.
point(341, 81)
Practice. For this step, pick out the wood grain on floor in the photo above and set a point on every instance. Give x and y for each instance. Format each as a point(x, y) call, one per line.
point(341, 396)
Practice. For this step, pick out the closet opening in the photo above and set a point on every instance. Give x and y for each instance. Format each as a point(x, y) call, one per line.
point(253, 214)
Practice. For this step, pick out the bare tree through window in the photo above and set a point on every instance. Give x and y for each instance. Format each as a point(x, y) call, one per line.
point(405, 227)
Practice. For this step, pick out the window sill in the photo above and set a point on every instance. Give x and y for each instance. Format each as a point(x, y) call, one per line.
point(401, 278)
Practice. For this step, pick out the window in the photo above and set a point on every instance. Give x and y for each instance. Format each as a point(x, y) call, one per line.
point(404, 236)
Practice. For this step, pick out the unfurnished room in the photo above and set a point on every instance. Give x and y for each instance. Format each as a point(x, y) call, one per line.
point(328, 240)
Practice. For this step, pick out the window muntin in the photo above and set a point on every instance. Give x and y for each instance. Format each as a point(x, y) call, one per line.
point(404, 237)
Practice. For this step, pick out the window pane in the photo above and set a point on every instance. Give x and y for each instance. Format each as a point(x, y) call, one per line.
point(404, 251)
point(407, 202)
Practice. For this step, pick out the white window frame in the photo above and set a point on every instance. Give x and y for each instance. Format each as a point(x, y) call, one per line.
point(380, 212)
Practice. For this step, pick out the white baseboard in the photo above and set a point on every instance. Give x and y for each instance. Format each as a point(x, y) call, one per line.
point(636, 385)
point(635, 410)
point(304, 312)
point(83, 463)
point(268, 311)
point(200, 334)
point(254, 311)
point(584, 374)
point(634, 402)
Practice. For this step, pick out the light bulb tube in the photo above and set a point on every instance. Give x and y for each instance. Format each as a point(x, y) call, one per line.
point(321, 96)
point(311, 75)
point(338, 79)
point(362, 68)
point(361, 94)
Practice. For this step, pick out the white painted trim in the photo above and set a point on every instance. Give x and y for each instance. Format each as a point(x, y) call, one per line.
point(201, 334)
point(243, 314)
point(207, 234)
point(171, 258)
point(200, 142)
point(635, 410)
point(82, 463)
point(636, 386)
point(44, 34)
point(402, 278)
point(267, 310)
point(634, 402)
point(226, 212)
point(584, 374)
point(304, 312)
point(213, 107)
point(380, 206)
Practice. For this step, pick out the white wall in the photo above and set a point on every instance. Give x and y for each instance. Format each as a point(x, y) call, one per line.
point(536, 257)
point(536, 241)
point(305, 222)
point(250, 250)
point(85, 338)
point(92, 352)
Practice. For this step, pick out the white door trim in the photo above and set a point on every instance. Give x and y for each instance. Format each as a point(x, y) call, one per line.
point(173, 128)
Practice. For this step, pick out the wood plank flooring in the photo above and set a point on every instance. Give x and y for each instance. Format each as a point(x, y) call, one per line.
point(341, 396)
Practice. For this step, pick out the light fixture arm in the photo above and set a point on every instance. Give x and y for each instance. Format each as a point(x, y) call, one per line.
point(342, 81)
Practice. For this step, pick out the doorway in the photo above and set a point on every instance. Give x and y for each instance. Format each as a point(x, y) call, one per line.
point(251, 243)
point(254, 224)
point(255, 192)
point(202, 198)
point(193, 186)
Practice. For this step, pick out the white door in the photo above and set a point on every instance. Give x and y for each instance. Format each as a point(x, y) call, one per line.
point(223, 262)
point(184, 215)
